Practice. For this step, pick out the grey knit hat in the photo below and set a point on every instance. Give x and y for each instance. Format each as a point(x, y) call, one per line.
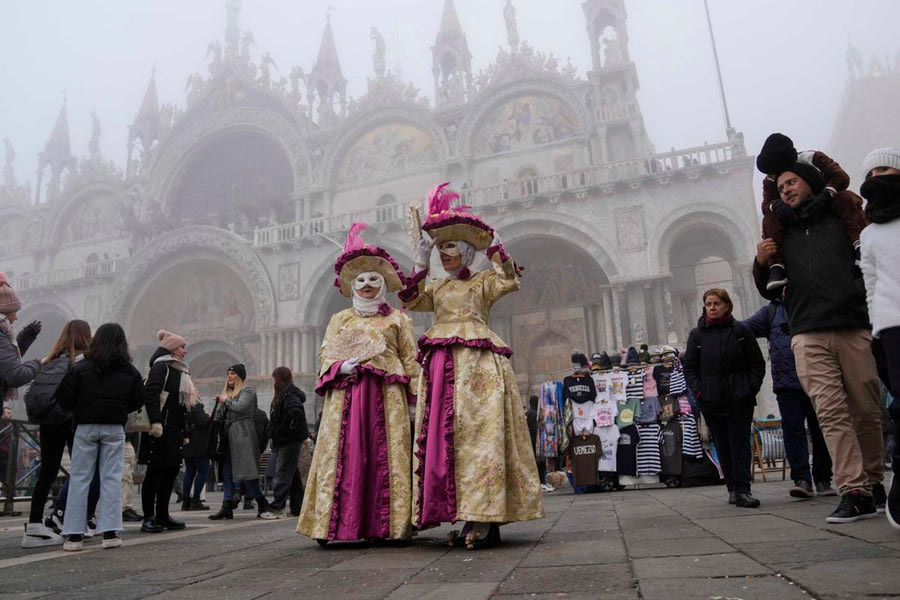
point(882, 157)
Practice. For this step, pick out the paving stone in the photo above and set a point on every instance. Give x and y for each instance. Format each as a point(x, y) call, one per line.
point(389, 560)
point(709, 565)
point(731, 588)
point(852, 578)
point(677, 547)
point(444, 591)
point(623, 594)
point(601, 580)
point(355, 585)
point(576, 552)
point(783, 552)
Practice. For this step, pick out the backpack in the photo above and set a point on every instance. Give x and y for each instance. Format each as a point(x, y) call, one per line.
point(261, 422)
point(40, 399)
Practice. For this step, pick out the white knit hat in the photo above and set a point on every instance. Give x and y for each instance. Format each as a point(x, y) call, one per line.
point(882, 157)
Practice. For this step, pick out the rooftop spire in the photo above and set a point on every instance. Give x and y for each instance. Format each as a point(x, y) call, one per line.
point(146, 123)
point(450, 26)
point(327, 60)
point(326, 84)
point(57, 153)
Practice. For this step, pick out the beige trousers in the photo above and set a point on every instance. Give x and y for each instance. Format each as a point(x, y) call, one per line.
point(127, 479)
point(837, 371)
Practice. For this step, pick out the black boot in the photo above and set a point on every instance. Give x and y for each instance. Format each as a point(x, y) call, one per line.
point(151, 526)
point(262, 506)
point(171, 524)
point(777, 277)
point(248, 503)
point(186, 504)
point(745, 500)
point(226, 512)
point(198, 505)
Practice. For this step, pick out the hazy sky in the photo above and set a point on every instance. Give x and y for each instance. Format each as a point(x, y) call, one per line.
point(783, 62)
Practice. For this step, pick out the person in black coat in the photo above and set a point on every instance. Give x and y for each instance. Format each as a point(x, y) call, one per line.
point(196, 462)
point(168, 393)
point(287, 430)
point(724, 368)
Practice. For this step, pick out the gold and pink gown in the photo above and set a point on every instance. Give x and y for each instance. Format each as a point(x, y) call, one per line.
point(359, 479)
point(473, 459)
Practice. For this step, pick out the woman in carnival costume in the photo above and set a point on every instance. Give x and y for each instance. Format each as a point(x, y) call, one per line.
point(359, 480)
point(473, 459)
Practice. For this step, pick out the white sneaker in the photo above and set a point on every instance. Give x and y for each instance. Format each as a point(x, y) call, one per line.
point(38, 535)
point(547, 487)
point(271, 515)
point(91, 528)
point(111, 539)
point(74, 543)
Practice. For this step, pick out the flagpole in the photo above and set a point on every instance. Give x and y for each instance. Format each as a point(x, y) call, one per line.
point(718, 69)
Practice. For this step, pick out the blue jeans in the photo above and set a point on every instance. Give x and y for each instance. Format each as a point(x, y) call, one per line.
point(96, 447)
point(798, 413)
point(228, 481)
point(62, 497)
point(196, 469)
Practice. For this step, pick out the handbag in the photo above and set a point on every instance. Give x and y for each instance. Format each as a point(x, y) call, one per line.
point(217, 440)
point(138, 420)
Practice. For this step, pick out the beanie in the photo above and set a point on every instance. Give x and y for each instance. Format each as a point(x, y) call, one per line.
point(808, 173)
point(170, 341)
point(9, 299)
point(239, 370)
point(579, 361)
point(776, 155)
point(632, 358)
point(596, 358)
point(882, 157)
point(605, 362)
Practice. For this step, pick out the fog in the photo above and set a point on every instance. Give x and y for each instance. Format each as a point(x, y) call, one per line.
point(784, 64)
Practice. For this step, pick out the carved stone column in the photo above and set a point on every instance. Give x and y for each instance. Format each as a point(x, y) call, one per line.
point(589, 329)
point(624, 322)
point(308, 362)
point(650, 307)
point(295, 359)
point(608, 315)
point(668, 312)
point(617, 317)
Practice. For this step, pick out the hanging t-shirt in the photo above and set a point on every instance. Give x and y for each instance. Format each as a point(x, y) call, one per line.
point(663, 376)
point(582, 418)
point(678, 385)
point(670, 448)
point(649, 411)
point(690, 445)
point(650, 388)
point(601, 382)
point(626, 451)
point(635, 386)
point(648, 462)
point(628, 413)
point(609, 440)
point(605, 412)
point(579, 388)
point(668, 409)
point(684, 405)
point(617, 382)
point(585, 453)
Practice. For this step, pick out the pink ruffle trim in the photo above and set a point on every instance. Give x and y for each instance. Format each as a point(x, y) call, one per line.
point(452, 217)
point(411, 291)
point(332, 379)
point(426, 344)
point(366, 250)
point(494, 250)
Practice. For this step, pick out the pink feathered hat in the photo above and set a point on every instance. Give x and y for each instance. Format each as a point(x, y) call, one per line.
point(359, 257)
point(445, 223)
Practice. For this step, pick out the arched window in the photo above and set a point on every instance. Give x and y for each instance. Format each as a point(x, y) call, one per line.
point(528, 184)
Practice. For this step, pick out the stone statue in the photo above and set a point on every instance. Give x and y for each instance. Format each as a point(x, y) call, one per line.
point(378, 53)
point(855, 63)
point(215, 50)
point(94, 144)
point(264, 63)
point(512, 31)
point(297, 76)
point(234, 8)
point(877, 68)
point(247, 42)
point(193, 86)
point(9, 177)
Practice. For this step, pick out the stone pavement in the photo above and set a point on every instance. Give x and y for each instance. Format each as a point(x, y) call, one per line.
point(653, 544)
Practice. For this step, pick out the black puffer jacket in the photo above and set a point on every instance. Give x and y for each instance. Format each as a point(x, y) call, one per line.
point(165, 451)
point(287, 418)
point(40, 400)
point(825, 291)
point(723, 366)
point(100, 397)
point(198, 432)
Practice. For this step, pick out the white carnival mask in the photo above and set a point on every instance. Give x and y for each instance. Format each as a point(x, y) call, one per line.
point(450, 248)
point(372, 279)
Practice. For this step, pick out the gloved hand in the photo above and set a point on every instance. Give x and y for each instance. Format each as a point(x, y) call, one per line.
point(497, 241)
point(27, 335)
point(33, 328)
point(423, 251)
point(156, 430)
point(348, 367)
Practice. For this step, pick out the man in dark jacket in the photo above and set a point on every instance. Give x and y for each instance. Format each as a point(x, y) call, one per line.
point(288, 430)
point(796, 408)
point(831, 338)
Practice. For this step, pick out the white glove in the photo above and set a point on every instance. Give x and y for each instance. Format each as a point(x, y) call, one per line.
point(348, 366)
point(497, 241)
point(156, 430)
point(423, 251)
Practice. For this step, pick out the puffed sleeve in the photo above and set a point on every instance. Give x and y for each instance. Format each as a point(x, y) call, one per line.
point(418, 295)
point(503, 279)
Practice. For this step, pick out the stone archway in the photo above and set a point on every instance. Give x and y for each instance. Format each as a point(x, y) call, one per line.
point(53, 318)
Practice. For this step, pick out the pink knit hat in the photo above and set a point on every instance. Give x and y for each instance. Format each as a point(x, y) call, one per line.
point(9, 299)
point(170, 341)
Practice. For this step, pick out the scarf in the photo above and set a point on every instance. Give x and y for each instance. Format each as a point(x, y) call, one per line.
point(188, 395)
point(882, 194)
point(12, 392)
point(813, 209)
point(719, 321)
point(369, 308)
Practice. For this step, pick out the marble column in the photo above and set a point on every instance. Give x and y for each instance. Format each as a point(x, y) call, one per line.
point(625, 319)
point(669, 312)
point(662, 335)
point(650, 311)
point(295, 359)
point(589, 329)
point(617, 318)
point(608, 317)
point(308, 364)
point(262, 352)
point(279, 348)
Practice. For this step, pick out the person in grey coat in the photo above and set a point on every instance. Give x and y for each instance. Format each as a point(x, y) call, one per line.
point(241, 460)
point(14, 372)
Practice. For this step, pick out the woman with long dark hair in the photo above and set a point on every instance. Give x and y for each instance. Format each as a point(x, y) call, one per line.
point(287, 430)
point(100, 391)
point(724, 368)
point(56, 430)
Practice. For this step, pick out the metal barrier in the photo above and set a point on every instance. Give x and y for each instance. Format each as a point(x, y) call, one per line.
point(13, 483)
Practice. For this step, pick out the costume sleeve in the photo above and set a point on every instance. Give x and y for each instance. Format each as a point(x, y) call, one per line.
point(503, 279)
point(870, 274)
point(334, 326)
point(835, 177)
point(418, 294)
point(407, 348)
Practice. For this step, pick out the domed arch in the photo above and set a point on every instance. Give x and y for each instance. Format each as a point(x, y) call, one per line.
point(175, 153)
point(524, 112)
point(53, 313)
point(187, 242)
point(384, 143)
point(96, 210)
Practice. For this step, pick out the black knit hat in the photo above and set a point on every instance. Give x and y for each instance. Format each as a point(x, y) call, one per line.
point(605, 362)
point(808, 173)
point(596, 358)
point(776, 155)
point(579, 359)
point(239, 370)
point(632, 358)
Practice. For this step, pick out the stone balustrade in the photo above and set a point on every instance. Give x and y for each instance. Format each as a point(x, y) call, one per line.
point(87, 271)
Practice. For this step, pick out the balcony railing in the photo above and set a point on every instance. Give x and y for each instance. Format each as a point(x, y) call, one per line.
point(94, 270)
point(511, 191)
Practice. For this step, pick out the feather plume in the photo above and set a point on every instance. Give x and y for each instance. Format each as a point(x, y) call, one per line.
point(439, 199)
point(354, 240)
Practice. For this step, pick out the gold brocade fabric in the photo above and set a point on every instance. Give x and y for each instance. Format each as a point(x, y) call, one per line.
point(495, 471)
point(398, 358)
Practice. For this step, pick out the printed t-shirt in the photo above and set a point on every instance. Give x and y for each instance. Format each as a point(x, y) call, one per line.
point(628, 413)
point(617, 382)
point(605, 412)
point(649, 411)
point(609, 439)
point(582, 418)
point(585, 452)
point(626, 452)
point(670, 448)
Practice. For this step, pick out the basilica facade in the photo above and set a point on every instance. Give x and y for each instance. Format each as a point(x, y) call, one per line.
point(225, 223)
